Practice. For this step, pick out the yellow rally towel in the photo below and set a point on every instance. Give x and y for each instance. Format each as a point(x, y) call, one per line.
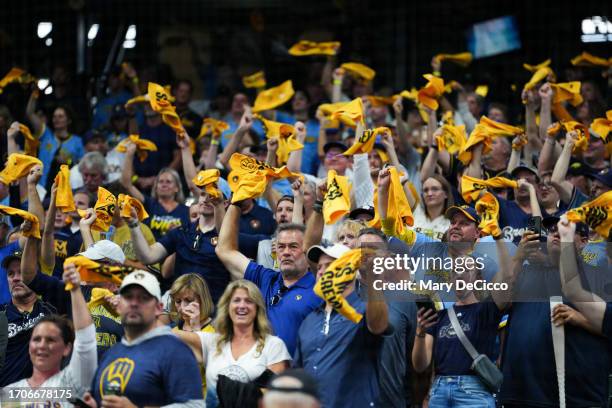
point(366, 141)
point(472, 186)
point(256, 80)
point(143, 146)
point(452, 139)
point(567, 91)
point(338, 275)
point(285, 134)
point(597, 214)
point(488, 209)
point(31, 143)
point(484, 132)
point(208, 180)
point(213, 127)
point(535, 68)
point(429, 94)
point(127, 202)
point(540, 75)
point(92, 271)
point(249, 176)
point(35, 230)
point(601, 128)
point(377, 101)
point(137, 99)
point(588, 60)
point(482, 90)
point(304, 48)
point(18, 166)
point(383, 155)
point(64, 200)
point(582, 142)
point(98, 298)
point(16, 75)
point(350, 113)
point(463, 58)
point(398, 208)
point(448, 118)
point(359, 70)
point(274, 97)
point(160, 100)
point(104, 208)
point(337, 200)
point(328, 108)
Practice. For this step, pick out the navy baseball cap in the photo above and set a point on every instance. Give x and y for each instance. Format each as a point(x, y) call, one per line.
point(331, 145)
point(469, 212)
point(603, 176)
point(552, 221)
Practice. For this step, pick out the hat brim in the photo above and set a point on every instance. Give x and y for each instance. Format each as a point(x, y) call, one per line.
point(8, 259)
point(92, 253)
point(331, 145)
point(450, 213)
point(359, 211)
point(530, 170)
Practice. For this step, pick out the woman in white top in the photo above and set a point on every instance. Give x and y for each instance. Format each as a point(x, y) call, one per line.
point(242, 347)
point(53, 338)
point(428, 215)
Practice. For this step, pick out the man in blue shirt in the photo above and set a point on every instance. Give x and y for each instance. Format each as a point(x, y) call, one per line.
point(344, 356)
point(151, 366)
point(288, 294)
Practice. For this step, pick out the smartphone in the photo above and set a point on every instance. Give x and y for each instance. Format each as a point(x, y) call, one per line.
point(426, 304)
point(535, 225)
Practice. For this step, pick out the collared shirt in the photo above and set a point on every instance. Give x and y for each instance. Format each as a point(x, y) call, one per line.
point(71, 148)
point(341, 355)
point(258, 221)
point(294, 305)
point(195, 253)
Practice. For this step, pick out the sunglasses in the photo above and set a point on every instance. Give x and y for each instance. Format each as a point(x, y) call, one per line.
point(279, 295)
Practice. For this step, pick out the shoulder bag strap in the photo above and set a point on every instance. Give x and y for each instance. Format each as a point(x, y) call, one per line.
point(460, 334)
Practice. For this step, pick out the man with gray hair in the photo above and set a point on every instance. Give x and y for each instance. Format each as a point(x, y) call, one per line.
point(92, 171)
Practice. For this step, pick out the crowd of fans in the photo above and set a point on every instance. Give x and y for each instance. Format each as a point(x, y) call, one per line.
point(220, 259)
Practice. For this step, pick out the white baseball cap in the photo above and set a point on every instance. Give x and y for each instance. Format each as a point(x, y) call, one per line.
point(104, 249)
point(145, 280)
point(335, 251)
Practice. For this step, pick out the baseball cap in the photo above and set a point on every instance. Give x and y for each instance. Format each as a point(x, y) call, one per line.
point(302, 383)
point(338, 145)
point(579, 168)
point(104, 249)
point(145, 280)
point(524, 166)
point(16, 255)
point(92, 135)
point(368, 210)
point(466, 210)
point(603, 176)
point(552, 221)
point(335, 251)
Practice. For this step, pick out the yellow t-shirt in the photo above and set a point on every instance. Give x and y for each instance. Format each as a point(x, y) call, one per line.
point(122, 237)
point(206, 329)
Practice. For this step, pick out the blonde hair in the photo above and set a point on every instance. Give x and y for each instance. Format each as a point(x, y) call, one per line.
point(223, 323)
point(198, 286)
point(353, 226)
point(179, 197)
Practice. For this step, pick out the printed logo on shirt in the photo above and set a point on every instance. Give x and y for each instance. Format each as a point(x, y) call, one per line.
point(14, 329)
point(449, 333)
point(255, 224)
point(116, 373)
point(214, 241)
point(430, 233)
point(164, 223)
point(61, 248)
point(513, 234)
point(235, 373)
point(46, 404)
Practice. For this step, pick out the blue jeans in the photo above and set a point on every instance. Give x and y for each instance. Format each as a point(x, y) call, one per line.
point(465, 391)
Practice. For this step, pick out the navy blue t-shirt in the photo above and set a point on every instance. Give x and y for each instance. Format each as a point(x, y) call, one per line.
point(294, 305)
point(258, 221)
point(108, 327)
point(528, 358)
point(161, 221)
point(17, 364)
point(195, 253)
point(66, 244)
point(165, 140)
point(479, 322)
point(158, 371)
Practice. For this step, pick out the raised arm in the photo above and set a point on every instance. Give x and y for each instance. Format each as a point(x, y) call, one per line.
point(298, 202)
point(315, 224)
point(294, 163)
point(515, 155)
point(85, 224)
point(549, 154)
point(505, 274)
point(546, 95)
point(128, 172)
point(246, 121)
point(423, 342)
point(147, 254)
point(37, 124)
point(11, 133)
point(189, 168)
point(227, 247)
point(34, 204)
point(474, 168)
point(564, 187)
point(29, 257)
point(531, 129)
point(533, 197)
point(47, 249)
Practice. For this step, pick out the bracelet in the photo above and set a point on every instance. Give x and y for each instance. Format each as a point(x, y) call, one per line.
point(133, 224)
point(436, 73)
point(420, 335)
point(498, 237)
point(135, 80)
point(214, 142)
point(337, 82)
point(318, 206)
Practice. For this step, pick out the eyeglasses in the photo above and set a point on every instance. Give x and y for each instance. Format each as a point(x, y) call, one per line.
point(545, 186)
point(333, 155)
point(277, 298)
